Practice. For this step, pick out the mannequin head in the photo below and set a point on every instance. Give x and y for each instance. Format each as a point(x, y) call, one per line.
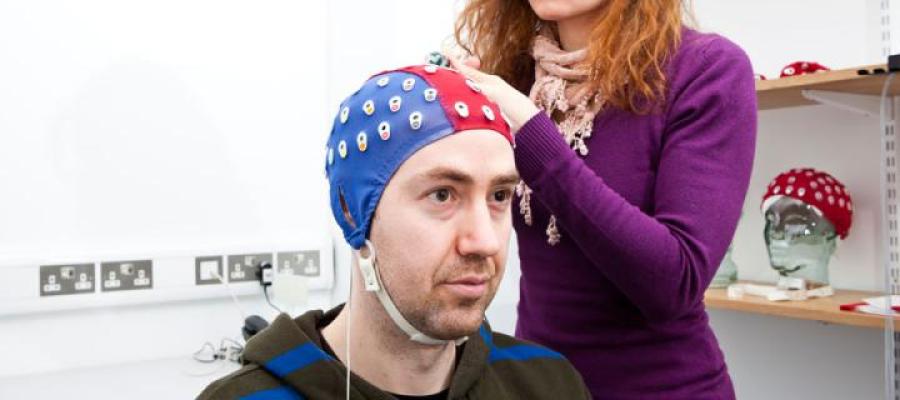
point(800, 240)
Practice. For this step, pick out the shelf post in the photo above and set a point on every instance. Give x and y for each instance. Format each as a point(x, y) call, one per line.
point(890, 232)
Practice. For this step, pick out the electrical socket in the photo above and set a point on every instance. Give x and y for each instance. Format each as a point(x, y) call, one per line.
point(126, 275)
point(244, 267)
point(204, 267)
point(304, 263)
point(66, 279)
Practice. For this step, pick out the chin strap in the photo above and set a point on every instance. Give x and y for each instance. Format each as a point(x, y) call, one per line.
point(372, 281)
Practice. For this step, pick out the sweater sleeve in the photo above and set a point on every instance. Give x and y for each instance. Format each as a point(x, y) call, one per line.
point(662, 262)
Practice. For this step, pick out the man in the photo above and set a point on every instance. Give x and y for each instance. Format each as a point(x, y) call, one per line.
point(421, 171)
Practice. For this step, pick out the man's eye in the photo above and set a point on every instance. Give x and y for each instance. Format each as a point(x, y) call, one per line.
point(440, 195)
point(502, 195)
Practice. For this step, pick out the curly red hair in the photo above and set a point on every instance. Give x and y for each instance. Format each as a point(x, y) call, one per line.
point(629, 45)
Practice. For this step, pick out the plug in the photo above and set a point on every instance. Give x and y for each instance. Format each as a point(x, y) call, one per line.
point(265, 273)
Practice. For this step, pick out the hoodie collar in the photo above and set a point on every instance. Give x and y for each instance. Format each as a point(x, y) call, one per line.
point(287, 347)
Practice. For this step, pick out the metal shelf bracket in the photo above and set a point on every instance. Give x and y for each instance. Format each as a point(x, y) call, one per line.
point(866, 105)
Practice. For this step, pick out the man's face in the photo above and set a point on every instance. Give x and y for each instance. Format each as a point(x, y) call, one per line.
point(441, 231)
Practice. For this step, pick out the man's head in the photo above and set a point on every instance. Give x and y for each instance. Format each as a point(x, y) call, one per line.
point(442, 229)
point(429, 189)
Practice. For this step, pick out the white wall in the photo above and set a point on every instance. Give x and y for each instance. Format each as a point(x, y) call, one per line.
point(147, 127)
point(152, 127)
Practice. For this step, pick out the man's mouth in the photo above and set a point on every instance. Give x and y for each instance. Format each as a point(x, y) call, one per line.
point(473, 286)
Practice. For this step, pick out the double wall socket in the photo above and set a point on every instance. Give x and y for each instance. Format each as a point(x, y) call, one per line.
point(304, 263)
point(126, 275)
point(66, 279)
point(245, 267)
point(204, 268)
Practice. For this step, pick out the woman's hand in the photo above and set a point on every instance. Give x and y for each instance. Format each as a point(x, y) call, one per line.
point(517, 107)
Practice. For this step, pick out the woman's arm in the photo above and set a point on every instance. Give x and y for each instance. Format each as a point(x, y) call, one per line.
point(667, 259)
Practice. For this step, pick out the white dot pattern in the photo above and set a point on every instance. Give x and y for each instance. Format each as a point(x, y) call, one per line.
point(430, 94)
point(394, 103)
point(462, 109)
point(384, 130)
point(409, 84)
point(415, 120)
point(488, 113)
point(362, 141)
point(342, 149)
point(472, 85)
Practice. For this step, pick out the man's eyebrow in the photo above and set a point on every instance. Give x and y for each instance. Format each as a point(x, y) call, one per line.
point(446, 174)
point(511, 178)
point(457, 176)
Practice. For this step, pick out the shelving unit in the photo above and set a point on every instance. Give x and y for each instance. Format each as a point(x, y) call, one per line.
point(824, 310)
point(850, 90)
point(789, 92)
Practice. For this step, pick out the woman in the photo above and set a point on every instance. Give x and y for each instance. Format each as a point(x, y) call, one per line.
point(635, 148)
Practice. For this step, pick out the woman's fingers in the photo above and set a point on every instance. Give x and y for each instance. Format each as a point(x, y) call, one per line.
point(473, 62)
point(517, 106)
point(468, 71)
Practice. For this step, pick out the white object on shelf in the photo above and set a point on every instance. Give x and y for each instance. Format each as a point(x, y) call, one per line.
point(773, 293)
point(880, 305)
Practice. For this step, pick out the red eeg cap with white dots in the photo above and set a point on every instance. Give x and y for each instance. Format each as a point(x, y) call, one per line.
point(802, 68)
point(815, 188)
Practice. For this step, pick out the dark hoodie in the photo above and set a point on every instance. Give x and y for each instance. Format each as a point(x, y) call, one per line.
point(286, 361)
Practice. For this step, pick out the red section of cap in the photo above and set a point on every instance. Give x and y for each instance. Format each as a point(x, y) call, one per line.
point(851, 306)
point(819, 189)
point(802, 68)
point(452, 89)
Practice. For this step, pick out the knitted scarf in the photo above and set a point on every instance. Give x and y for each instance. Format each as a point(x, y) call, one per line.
point(560, 86)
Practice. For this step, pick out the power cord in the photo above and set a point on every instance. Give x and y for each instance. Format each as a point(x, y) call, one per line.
point(254, 323)
point(207, 354)
point(265, 273)
point(229, 349)
point(237, 304)
point(266, 293)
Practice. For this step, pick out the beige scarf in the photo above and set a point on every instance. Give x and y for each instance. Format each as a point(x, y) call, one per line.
point(560, 85)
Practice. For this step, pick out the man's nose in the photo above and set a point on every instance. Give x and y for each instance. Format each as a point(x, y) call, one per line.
point(478, 233)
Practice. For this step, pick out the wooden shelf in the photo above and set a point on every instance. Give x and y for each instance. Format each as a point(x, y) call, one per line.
point(823, 309)
point(786, 92)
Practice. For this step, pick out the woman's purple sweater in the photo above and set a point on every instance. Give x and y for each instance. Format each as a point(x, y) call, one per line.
point(645, 219)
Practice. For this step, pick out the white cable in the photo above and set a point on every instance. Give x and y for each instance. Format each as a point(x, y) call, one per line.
point(237, 304)
point(372, 277)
